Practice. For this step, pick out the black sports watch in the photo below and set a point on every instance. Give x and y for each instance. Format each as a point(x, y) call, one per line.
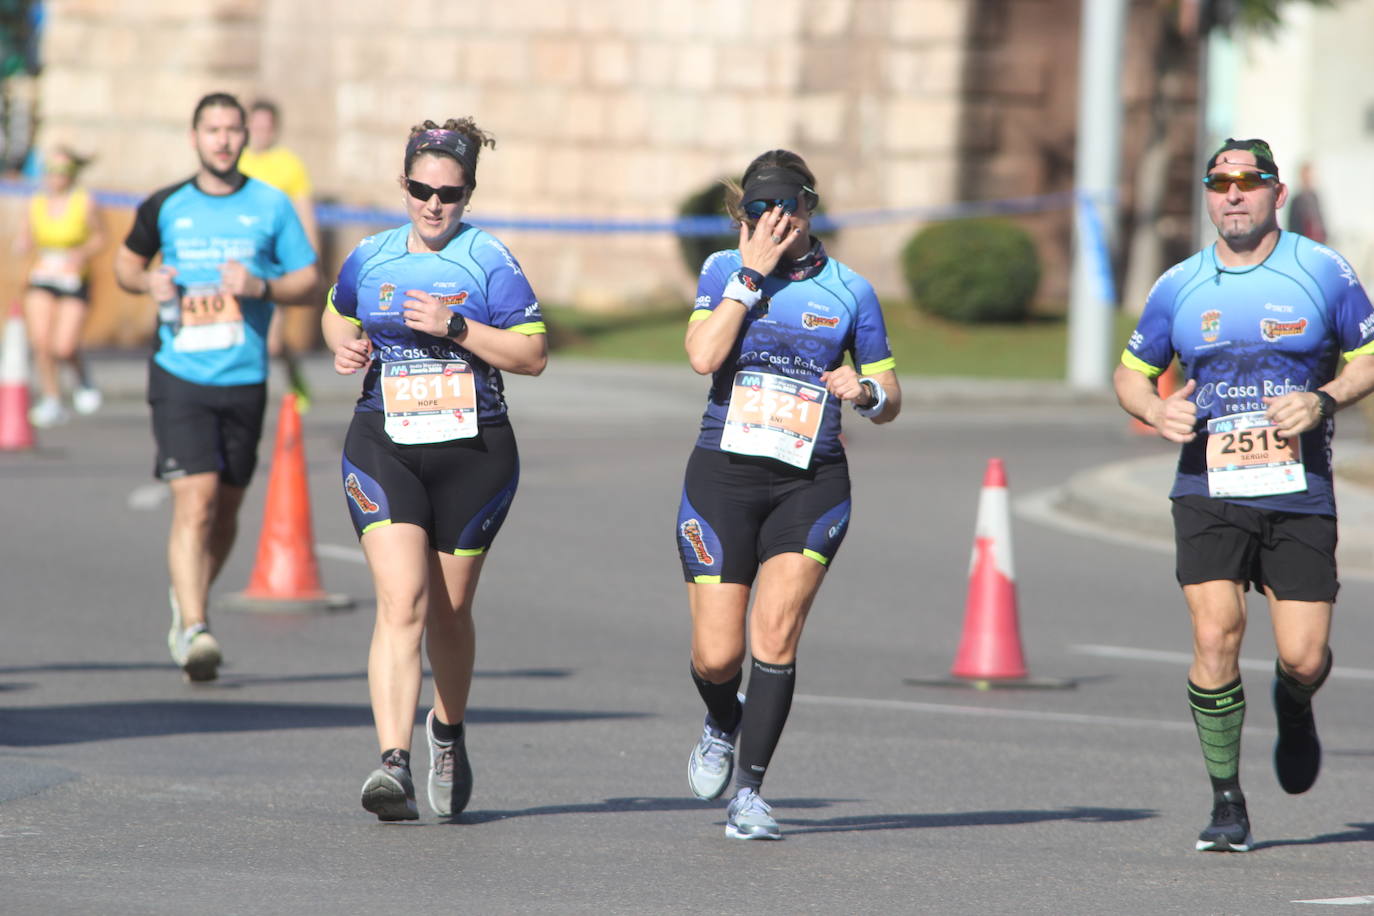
point(457, 324)
point(1326, 404)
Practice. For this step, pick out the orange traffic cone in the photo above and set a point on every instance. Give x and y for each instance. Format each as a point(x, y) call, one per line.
point(1166, 384)
point(16, 432)
point(990, 650)
point(286, 576)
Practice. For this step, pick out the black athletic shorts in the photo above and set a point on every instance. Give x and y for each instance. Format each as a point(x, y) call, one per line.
point(458, 491)
point(82, 292)
point(1295, 555)
point(202, 428)
point(738, 511)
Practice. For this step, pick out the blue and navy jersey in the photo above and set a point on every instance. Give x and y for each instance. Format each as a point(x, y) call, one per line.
point(475, 275)
point(196, 233)
point(799, 329)
point(1246, 333)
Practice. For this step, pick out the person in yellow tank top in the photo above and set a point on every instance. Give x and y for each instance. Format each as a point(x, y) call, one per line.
point(62, 230)
point(266, 160)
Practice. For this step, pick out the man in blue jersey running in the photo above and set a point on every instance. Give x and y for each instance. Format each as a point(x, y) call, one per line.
point(1260, 322)
point(229, 246)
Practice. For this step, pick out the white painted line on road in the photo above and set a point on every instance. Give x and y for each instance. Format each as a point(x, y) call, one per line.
point(993, 713)
point(1367, 900)
point(340, 552)
point(1039, 506)
point(1184, 658)
point(148, 496)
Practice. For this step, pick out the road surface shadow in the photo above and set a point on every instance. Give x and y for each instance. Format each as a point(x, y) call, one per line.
point(45, 726)
point(962, 819)
point(624, 806)
point(1359, 833)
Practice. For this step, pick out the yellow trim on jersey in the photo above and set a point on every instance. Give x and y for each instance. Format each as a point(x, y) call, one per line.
point(706, 580)
point(881, 365)
point(819, 558)
point(699, 315)
point(469, 552)
point(329, 304)
point(530, 328)
point(382, 524)
point(1131, 361)
point(1362, 351)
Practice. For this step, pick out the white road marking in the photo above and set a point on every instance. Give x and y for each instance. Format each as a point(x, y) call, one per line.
point(341, 552)
point(148, 496)
point(1184, 658)
point(989, 712)
point(1367, 900)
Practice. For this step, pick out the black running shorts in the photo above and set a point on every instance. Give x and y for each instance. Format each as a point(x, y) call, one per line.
point(203, 428)
point(738, 511)
point(458, 491)
point(1292, 554)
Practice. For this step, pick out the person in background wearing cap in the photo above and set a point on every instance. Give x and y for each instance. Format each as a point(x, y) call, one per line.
point(267, 160)
point(229, 246)
point(62, 226)
point(433, 311)
point(1260, 321)
point(766, 498)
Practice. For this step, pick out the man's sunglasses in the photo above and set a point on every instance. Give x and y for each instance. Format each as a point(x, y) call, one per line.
point(1247, 181)
point(756, 208)
point(448, 194)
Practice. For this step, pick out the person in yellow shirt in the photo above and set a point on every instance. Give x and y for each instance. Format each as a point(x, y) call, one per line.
point(62, 229)
point(267, 160)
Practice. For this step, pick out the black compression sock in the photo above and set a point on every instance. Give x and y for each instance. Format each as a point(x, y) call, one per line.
point(445, 733)
point(396, 757)
point(765, 714)
point(1299, 693)
point(722, 700)
point(1219, 715)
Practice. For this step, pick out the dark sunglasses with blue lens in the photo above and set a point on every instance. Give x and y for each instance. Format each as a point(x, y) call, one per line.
point(756, 208)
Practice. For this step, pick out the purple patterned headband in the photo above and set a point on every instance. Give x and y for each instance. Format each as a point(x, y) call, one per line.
point(447, 142)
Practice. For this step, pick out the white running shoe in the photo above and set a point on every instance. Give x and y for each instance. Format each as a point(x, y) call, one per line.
point(712, 762)
point(749, 818)
point(48, 412)
point(87, 401)
point(193, 649)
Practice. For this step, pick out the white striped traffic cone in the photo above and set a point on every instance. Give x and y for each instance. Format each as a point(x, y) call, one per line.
point(16, 432)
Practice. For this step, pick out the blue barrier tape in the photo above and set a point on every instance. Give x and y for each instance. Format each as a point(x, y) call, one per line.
point(336, 214)
point(1095, 247)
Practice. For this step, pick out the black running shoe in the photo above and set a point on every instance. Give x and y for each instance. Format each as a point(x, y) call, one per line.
point(1230, 827)
point(1297, 752)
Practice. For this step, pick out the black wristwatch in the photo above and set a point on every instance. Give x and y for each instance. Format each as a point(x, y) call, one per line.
point(1326, 404)
point(872, 388)
point(457, 324)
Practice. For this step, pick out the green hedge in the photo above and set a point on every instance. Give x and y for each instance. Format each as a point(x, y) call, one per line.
point(972, 270)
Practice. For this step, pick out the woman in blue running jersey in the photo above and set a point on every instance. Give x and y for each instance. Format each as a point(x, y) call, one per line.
point(433, 312)
point(766, 496)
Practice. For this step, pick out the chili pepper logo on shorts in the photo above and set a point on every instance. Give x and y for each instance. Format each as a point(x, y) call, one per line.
point(354, 489)
point(1211, 325)
point(1272, 329)
point(691, 530)
point(384, 296)
point(811, 321)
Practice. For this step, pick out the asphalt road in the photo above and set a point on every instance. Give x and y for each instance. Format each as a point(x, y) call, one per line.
point(125, 791)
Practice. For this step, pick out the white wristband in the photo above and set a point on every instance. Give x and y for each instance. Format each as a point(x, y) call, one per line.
point(736, 290)
point(877, 406)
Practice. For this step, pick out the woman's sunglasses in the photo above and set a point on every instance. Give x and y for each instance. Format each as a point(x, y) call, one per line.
point(448, 194)
point(1247, 181)
point(756, 208)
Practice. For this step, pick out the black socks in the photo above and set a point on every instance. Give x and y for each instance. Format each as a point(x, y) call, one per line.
point(445, 733)
point(395, 757)
point(722, 702)
point(765, 714)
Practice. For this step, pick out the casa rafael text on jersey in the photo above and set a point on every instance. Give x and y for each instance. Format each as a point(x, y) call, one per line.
point(1253, 332)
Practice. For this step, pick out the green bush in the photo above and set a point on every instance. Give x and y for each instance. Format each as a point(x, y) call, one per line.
point(972, 270)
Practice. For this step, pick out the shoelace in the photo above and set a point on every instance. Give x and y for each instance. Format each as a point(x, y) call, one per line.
point(754, 804)
point(443, 762)
point(716, 750)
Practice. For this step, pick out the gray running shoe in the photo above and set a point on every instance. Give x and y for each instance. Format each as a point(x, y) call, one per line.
point(748, 818)
point(389, 793)
point(450, 774)
point(712, 762)
point(193, 649)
